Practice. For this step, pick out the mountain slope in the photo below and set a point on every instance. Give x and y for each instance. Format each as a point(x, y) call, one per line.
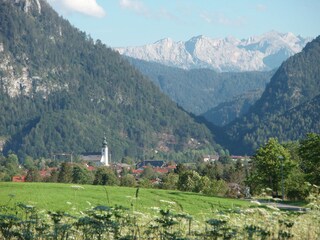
point(288, 108)
point(227, 111)
point(259, 53)
point(199, 90)
point(61, 91)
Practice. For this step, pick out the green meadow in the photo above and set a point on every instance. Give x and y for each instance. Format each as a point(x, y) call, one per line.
point(58, 211)
point(75, 198)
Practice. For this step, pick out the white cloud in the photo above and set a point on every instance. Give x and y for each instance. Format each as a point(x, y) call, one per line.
point(221, 19)
point(206, 17)
point(136, 6)
point(140, 8)
point(164, 13)
point(261, 8)
point(87, 7)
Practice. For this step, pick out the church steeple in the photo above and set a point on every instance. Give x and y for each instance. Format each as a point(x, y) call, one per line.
point(104, 142)
point(104, 152)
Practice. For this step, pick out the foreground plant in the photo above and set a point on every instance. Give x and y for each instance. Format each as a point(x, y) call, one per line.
point(25, 222)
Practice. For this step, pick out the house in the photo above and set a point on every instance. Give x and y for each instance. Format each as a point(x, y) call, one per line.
point(18, 178)
point(158, 166)
point(241, 158)
point(91, 158)
point(120, 167)
point(152, 163)
point(47, 172)
point(104, 159)
point(137, 172)
point(90, 168)
point(210, 158)
point(161, 170)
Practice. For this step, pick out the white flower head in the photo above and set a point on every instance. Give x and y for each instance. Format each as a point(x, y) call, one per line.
point(165, 201)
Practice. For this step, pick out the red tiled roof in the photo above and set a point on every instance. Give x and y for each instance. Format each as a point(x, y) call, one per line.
point(161, 170)
point(44, 173)
point(172, 167)
point(137, 171)
point(18, 178)
point(47, 172)
point(90, 168)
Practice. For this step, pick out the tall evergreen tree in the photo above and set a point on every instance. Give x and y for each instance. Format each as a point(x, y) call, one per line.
point(65, 173)
point(272, 165)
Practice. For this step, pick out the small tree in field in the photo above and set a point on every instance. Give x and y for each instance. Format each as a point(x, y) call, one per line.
point(105, 176)
point(33, 175)
point(271, 163)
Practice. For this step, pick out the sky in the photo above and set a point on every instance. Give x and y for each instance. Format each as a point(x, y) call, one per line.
point(123, 23)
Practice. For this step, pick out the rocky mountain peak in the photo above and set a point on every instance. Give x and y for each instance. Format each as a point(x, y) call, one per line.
point(27, 5)
point(256, 53)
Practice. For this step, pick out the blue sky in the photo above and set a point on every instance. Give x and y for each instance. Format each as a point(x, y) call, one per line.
point(120, 23)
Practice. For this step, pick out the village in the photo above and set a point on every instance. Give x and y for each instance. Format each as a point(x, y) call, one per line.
point(146, 173)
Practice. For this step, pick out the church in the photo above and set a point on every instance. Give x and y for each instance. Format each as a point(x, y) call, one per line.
point(99, 160)
point(104, 153)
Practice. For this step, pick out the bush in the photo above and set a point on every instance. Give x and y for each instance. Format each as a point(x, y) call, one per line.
point(128, 181)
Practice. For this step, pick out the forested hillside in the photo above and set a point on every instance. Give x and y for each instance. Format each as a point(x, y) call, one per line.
point(200, 90)
point(288, 108)
point(226, 112)
point(61, 92)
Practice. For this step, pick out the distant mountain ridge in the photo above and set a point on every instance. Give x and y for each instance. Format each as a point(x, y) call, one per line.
point(259, 53)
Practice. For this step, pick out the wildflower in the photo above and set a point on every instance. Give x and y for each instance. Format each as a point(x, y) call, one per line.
point(276, 213)
point(249, 211)
point(77, 187)
point(138, 213)
point(272, 207)
point(263, 212)
point(165, 201)
point(277, 199)
point(155, 208)
point(256, 202)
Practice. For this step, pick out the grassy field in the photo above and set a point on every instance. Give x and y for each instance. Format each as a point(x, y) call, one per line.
point(75, 198)
point(212, 217)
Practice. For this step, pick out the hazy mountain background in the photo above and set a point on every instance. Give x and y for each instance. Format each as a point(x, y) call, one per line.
point(257, 53)
point(200, 90)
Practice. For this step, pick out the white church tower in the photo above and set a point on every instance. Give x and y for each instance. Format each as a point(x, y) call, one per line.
point(104, 153)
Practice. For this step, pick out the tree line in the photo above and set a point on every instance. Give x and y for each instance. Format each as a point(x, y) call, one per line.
point(275, 168)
